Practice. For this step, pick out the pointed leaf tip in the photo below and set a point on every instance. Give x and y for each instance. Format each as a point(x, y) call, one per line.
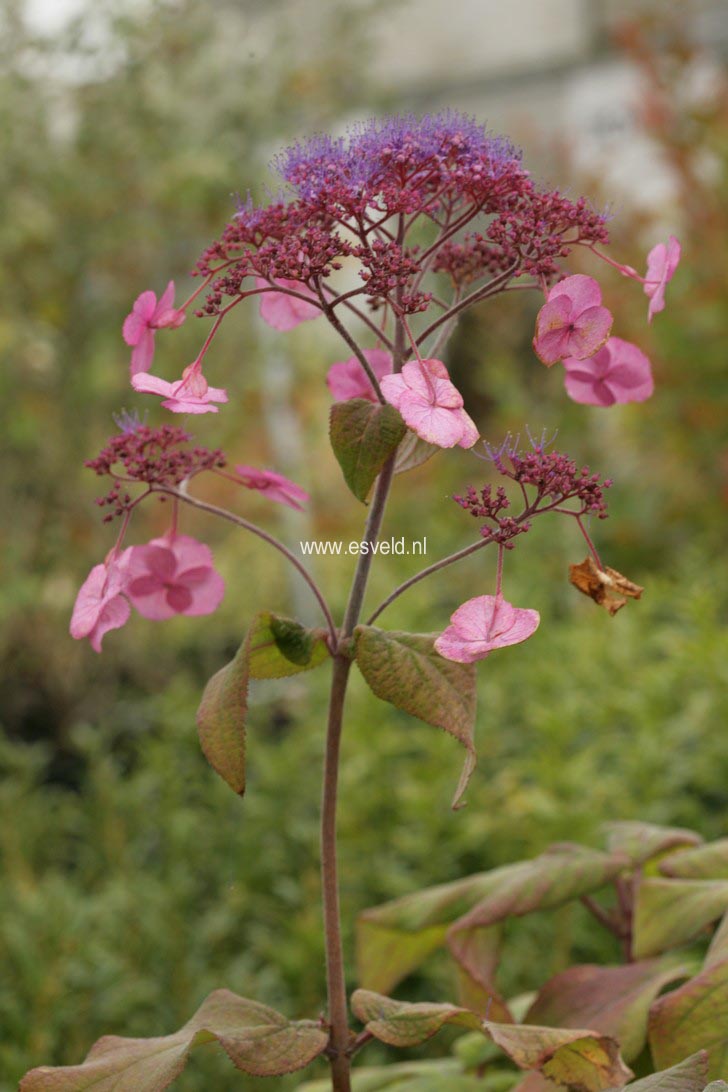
point(258, 1040)
point(405, 669)
point(363, 436)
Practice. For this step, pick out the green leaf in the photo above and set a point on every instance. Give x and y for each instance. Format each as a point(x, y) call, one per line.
point(273, 647)
point(281, 646)
point(404, 669)
point(670, 912)
point(221, 719)
point(641, 841)
point(693, 1017)
point(403, 1024)
point(396, 937)
point(258, 1040)
point(686, 1076)
point(612, 1000)
point(363, 435)
point(413, 452)
point(708, 862)
point(579, 1059)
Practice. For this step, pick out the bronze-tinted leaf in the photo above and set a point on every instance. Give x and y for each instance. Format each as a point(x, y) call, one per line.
point(686, 1076)
point(642, 841)
point(404, 1024)
point(258, 1040)
point(606, 587)
point(612, 1000)
point(396, 937)
point(693, 1017)
point(707, 862)
point(404, 669)
point(413, 452)
point(578, 1059)
point(561, 873)
point(221, 719)
point(670, 912)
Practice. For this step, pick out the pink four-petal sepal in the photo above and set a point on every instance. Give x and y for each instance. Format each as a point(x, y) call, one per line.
point(430, 404)
point(190, 394)
point(347, 379)
point(618, 373)
point(662, 261)
point(274, 486)
point(572, 322)
point(173, 575)
point(100, 604)
point(482, 625)
point(283, 311)
point(147, 315)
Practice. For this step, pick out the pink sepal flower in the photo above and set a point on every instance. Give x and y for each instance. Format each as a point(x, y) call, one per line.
point(146, 316)
point(430, 404)
point(284, 312)
point(275, 486)
point(661, 264)
point(100, 604)
point(173, 575)
point(482, 625)
point(190, 394)
point(620, 372)
point(572, 322)
point(347, 379)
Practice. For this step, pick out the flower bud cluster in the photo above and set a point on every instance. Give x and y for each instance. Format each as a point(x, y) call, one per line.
point(157, 456)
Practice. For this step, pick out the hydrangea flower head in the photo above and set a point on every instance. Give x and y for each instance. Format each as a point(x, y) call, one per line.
point(284, 312)
point(274, 486)
point(618, 373)
point(100, 604)
point(430, 404)
point(190, 394)
point(398, 163)
point(662, 262)
point(173, 575)
point(147, 315)
point(572, 322)
point(483, 624)
point(347, 379)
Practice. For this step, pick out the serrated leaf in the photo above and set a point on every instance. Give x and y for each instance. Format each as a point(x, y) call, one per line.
point(395, 938)
point(221, 719)
point(612, 1000)
point(693, 1017)
point(404, 669)
point(404, 1024)
point(686, 1076)
point(413, 452)
point(562, 873)
point(641, 841)
point(670, 912)
point(708, 862)
point(578, 1059)
point(363, 435)
point(258, 1040)
point(281, 646)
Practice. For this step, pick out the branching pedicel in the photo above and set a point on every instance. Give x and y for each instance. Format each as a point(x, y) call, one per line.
point(434, 215)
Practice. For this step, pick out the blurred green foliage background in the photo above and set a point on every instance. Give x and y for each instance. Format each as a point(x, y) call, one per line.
point(133, 881)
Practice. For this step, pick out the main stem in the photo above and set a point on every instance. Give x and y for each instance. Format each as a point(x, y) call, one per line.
point(341, 1039)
